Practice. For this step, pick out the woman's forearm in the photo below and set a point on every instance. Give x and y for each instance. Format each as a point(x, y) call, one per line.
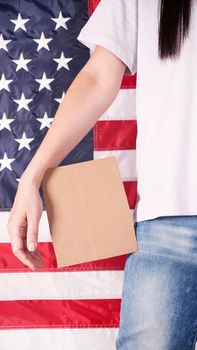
point(84, 102)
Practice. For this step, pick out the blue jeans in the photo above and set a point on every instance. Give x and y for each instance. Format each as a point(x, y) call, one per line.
point(159, 294)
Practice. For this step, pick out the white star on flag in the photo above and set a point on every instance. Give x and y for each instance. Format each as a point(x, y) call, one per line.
point(62, 61)
point(42, 42)
point(24, 141)
point(21, 62)
point(23, 102)
point(3, 43)
point(4, 83)
point(44, 82)
point(19, 22)
point(59, 100)
point(45, 121)
point(61, 21)
point(5, 162)
point(5, 122)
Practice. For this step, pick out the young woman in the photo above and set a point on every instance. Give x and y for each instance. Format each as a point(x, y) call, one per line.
point(158, 40)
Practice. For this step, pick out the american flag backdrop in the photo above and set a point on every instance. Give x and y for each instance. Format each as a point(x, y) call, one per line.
point(75, 307)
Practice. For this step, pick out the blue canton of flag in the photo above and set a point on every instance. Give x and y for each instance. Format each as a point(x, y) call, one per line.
point(39, 58)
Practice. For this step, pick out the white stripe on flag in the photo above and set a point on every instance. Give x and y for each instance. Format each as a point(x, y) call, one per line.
point(44, 233)
point(123, 106)
point(61, 285)
point(59, 339)
point(126, 161)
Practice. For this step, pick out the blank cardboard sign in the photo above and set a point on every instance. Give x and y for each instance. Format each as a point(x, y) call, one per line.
point(88, 211)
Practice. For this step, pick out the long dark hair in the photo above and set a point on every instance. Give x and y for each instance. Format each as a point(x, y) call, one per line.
point(173, 26)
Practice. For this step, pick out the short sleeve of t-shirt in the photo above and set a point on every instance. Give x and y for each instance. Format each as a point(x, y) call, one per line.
point(113, 25)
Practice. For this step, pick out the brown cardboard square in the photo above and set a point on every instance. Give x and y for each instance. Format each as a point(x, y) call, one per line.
point(88, 211)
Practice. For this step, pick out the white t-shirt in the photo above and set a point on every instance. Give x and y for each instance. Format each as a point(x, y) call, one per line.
point(166, 103)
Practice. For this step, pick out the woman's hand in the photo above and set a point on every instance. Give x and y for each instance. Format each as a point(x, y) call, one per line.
point(23, 223)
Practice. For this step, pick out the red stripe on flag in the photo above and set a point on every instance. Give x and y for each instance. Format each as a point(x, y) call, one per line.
point(131, 192)
point(9, 263)
point(59, 313)
point(129, 81)
point(115, 135)
point(92, 4)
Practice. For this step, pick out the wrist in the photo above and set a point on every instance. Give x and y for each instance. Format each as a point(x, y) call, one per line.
point(32, 177)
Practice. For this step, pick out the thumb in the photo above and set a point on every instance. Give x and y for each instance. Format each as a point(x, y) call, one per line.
point(32, 234)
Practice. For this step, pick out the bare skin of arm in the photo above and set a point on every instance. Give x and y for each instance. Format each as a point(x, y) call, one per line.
point(89, 95)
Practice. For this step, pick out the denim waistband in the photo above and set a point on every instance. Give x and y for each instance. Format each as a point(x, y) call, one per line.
point(175, 236)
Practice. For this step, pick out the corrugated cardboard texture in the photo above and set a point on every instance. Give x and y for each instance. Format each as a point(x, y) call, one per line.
point(88, 211)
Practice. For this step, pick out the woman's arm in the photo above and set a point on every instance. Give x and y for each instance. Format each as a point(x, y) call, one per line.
point(89, 95)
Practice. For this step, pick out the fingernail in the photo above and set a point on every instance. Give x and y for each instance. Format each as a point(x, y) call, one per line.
point(31, 247)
